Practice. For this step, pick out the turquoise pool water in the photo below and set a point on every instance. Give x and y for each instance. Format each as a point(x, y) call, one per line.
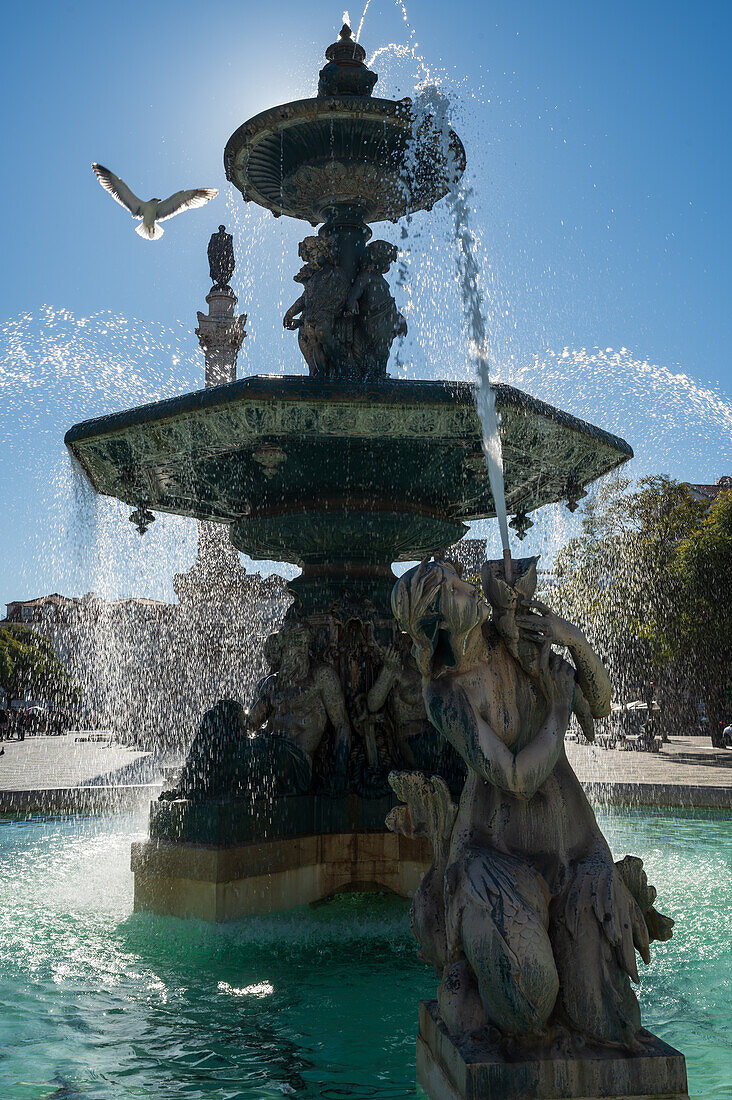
point(100, 1003)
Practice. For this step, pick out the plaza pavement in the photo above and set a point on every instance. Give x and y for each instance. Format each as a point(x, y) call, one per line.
point(70, 771)
point(686, 772)
point(57, 772)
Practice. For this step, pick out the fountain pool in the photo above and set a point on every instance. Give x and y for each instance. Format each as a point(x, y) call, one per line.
point(321, 1001)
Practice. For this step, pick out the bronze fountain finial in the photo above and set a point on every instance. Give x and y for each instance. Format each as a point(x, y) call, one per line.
point(346, 72)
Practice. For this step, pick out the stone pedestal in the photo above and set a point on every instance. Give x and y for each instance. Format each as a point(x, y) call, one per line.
point(221, 333)
point(221, 860)
point(226, 883)
point(449, 1070)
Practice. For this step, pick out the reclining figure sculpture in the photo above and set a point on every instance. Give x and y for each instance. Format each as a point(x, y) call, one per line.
point(530, 925)
point(270, 749)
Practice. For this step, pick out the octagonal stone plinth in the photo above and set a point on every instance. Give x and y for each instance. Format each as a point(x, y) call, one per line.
point(472, 1069)
point(222, 860)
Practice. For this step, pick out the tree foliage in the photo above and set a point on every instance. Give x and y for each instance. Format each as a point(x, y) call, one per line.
point(650, 581)
point(30, 667)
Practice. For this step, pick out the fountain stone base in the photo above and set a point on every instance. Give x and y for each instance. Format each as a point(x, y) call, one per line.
point(219, 861)
point(466, 1070)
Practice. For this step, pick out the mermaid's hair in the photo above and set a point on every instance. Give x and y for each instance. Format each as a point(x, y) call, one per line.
point(439, 626)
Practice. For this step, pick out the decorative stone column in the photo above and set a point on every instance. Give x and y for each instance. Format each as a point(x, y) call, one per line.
point(217, 576)
point(220, 332)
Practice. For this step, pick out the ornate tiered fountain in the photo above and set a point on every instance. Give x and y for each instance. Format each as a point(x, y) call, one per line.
point(343, 472)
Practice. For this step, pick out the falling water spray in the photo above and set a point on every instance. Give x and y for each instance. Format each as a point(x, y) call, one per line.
point(430, 111)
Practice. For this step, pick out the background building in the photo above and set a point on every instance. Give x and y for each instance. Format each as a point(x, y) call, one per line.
point(148, 669)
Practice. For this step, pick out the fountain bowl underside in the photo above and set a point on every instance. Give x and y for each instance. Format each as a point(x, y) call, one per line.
point(313, 472)
point(303, 157)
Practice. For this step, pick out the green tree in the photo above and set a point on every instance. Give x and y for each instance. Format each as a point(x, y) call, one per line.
point(693, 628)
point(648, 581)
point(29, 666)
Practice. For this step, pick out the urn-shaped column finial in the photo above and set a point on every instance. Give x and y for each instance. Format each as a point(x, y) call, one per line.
point(346, 72)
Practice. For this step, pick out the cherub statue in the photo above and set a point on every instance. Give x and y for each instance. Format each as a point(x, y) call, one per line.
point(379, 320)
point(531, 925)
point(322, 302)
point(299, 702)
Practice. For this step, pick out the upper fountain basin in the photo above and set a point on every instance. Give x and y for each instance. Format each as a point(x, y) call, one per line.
point(287, 459)
point(304, 158)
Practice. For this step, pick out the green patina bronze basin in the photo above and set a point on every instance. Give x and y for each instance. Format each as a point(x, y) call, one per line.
point(340, 478)
point(305, 157)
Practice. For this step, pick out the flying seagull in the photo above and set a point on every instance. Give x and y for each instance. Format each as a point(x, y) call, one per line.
point(151, 211)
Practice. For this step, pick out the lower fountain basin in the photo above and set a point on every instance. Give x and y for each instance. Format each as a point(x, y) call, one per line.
point(275, 1005)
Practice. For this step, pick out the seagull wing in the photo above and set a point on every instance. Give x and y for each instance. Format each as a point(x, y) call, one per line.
point(119, 190)
point(184, 200)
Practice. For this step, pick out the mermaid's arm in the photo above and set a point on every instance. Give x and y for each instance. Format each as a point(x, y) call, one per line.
point(291, 319)
point(592, 676)
point(260, 709)
point(384, 681)
point(519, 773)
point(360, 284)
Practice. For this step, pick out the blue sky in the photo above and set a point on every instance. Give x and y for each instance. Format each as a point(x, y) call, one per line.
point(599, 154)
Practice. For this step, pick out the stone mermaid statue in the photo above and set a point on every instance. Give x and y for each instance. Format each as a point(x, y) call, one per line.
point(530, 924)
